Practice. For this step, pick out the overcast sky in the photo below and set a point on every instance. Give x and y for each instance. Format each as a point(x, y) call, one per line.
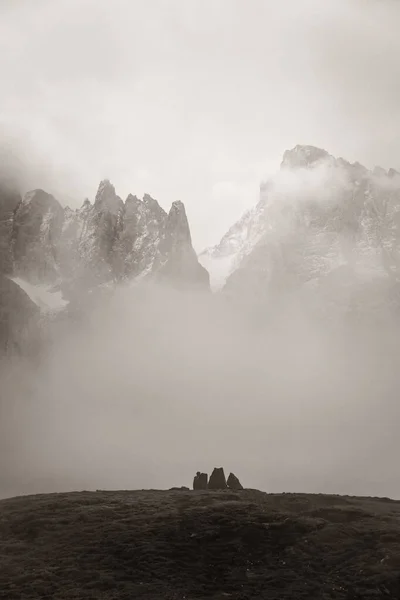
point(194, 99)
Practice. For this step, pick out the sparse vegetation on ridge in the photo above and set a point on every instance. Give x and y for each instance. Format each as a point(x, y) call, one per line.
point(197, 545)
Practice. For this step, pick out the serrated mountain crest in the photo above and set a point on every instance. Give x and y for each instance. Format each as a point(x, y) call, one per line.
point(107, 241)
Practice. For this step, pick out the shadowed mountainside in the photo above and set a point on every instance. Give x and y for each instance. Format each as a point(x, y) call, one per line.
point(19, 318)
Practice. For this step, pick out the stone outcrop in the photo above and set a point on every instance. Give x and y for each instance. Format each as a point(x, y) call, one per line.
point(217, 480)
point(233, 482)
point(200, 482)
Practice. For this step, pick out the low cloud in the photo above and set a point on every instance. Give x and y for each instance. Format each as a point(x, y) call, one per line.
point(159, 384)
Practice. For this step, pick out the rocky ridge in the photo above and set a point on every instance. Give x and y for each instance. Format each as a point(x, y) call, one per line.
point(53, 252)
point(109, 240)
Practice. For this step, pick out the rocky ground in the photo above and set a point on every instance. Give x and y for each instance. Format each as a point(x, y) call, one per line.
point(181, 544)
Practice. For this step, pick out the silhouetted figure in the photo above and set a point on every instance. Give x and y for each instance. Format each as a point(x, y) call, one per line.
point(217, 480)
point(200, 481)
point(233, 482)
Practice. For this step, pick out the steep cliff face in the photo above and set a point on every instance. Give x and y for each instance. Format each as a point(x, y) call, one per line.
point(178, 262)
point(139, 239)
point(37, 227)
point(101, 227)
point(69, 255)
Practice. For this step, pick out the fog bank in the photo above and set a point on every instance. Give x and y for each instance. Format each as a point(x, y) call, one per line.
point(159, 384)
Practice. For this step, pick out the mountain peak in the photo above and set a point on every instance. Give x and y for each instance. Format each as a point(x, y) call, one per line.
point(178, 207)
point(107, 199)
point(105, 186)
point(41, 197)
point(150, 201)
point(303, 156)
point(178, 221)
point(86, 204)
point(153, 209)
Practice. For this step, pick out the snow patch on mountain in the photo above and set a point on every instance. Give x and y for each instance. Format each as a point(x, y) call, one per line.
point(46, 297)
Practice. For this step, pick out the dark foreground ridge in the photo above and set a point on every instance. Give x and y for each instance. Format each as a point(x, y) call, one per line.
point(182, 544)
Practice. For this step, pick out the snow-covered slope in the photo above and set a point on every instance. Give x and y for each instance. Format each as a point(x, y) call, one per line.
point(44, 296)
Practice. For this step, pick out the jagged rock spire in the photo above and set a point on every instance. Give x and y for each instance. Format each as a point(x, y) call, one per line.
point(86, 204)
point(178, 225)
point(106, 198)
point(181, 266)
